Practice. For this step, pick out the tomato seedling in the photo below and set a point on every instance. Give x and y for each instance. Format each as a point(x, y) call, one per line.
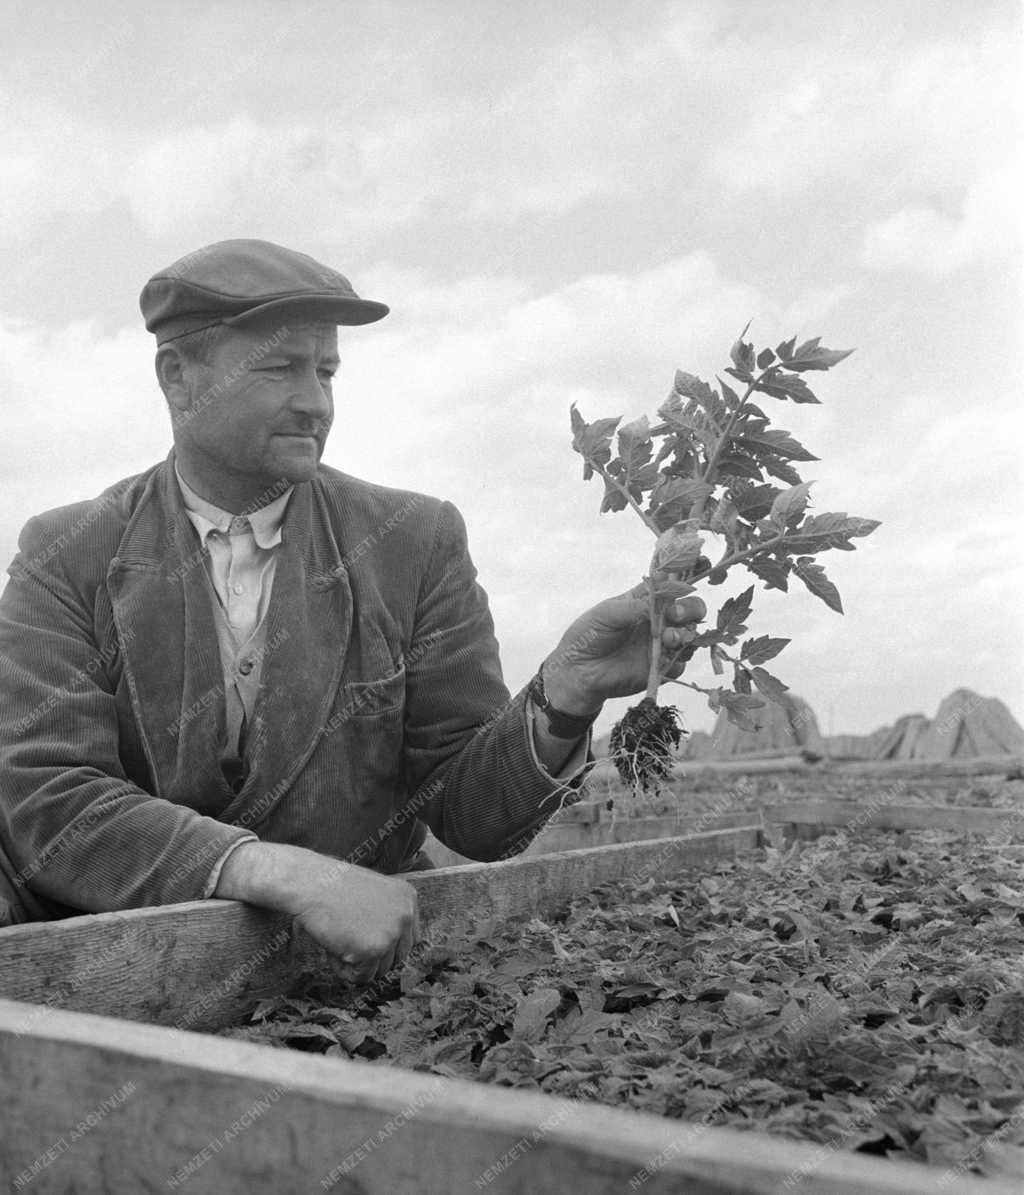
point(704, 466)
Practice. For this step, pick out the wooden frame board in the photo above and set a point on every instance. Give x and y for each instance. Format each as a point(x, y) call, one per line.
point(205, 964)
point(193, 1102)
point(141, 1108)
point(149, 964)
point(598, 828)
point(824, 816)
point(804, 819)
point(980, 765)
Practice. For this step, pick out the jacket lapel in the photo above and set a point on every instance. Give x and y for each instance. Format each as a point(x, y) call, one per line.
point(163, 613)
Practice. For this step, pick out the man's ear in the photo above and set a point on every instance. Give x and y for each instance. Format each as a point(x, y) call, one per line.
point(170, 373)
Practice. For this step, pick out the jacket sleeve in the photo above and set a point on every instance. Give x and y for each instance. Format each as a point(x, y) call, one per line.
point(75, 832)
point(470, 761)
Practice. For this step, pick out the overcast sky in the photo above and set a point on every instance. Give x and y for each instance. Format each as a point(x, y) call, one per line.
point(562, 202)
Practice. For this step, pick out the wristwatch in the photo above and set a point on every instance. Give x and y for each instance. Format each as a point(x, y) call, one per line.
point(561, 724)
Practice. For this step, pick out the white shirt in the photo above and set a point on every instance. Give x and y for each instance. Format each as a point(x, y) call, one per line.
point(243, 558)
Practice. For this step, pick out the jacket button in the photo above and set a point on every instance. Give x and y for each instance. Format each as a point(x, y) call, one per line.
point(245, 667)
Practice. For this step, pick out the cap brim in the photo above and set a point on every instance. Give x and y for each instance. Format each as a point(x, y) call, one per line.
point(328, 307)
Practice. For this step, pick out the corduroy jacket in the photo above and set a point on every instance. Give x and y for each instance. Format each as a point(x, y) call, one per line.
point(381, 707)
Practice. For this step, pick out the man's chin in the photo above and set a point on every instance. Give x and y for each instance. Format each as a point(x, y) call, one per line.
point(299, 459)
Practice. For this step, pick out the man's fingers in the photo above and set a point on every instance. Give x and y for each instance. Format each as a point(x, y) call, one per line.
point(410, 936)
point(665, 588)
point(357, 974)
point(387, 962)
point(675, 661)
point(675, 664)
point(677, 636)
point(635, 604)
point(686, 609)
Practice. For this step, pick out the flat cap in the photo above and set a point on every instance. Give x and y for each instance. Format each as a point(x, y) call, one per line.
point(230, 282)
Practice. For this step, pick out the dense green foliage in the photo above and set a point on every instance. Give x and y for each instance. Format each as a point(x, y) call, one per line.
point(864, 993)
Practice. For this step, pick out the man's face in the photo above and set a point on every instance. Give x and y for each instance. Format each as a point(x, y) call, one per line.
point(270, 417)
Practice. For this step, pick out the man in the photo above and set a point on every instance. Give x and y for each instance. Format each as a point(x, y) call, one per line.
point(244, 674)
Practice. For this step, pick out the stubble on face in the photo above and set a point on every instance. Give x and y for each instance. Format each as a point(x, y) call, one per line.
point(270, 412)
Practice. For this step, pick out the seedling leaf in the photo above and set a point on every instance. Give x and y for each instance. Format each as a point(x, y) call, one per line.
point(737, 708)
point(833, 529)
point(769, 685)
point(755, 502)
point(790, 505)
point(762, 649)
point(776, 467)
point(736, 464)
point(811, 355)
point(771, 572)
point(775, 441)
point(734, 613)
point(742, 354)
point(813, 576)
point(786, 385)
point(672, 498)
point(592, 440)
point(690, 386)
point(677, 550)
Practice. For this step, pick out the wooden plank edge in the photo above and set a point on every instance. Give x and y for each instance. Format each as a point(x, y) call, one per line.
point(862, 816)
point(96, 1103)
point(754, 764)
point(975, 765)
point(981, 765)
point(605, 830)
point(205, 964)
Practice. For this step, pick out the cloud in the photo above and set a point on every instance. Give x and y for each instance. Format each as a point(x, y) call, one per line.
point(82, 410)
point(265, 176)
point(645, 117)
point(875, 122)
point(923, 240)
point(44, 177)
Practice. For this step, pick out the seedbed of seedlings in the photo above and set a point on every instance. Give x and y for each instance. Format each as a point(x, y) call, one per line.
point(863, 992)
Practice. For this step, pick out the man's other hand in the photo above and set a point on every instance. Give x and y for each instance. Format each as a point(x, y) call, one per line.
point(367, 921)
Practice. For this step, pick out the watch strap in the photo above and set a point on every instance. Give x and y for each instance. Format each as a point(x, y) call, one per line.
point(560, 724)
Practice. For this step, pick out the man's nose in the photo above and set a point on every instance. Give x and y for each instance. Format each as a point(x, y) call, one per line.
point(310, 397)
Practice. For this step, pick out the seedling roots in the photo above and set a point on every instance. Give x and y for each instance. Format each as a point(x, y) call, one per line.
point(642, 746)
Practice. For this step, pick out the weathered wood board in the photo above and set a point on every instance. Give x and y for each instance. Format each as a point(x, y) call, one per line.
point(782, 762)
point(96, 1104)
point(981, 765)
point(824, 816)
point(593, 826)
point(205, 964)
point(596, 827)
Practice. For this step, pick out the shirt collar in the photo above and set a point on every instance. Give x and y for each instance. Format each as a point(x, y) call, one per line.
point(265, 522)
